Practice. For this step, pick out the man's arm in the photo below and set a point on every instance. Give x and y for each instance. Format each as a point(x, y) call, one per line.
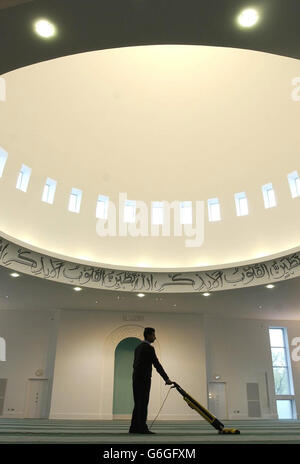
point(159, 368)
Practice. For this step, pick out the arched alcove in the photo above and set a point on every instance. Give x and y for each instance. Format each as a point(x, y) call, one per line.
point(107, 369)
point(122, 396)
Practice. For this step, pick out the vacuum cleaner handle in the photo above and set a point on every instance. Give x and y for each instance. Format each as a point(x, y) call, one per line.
point(179, 389)
point(207, 415)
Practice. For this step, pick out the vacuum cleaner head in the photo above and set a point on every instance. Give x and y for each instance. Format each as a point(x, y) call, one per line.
point(230, 431)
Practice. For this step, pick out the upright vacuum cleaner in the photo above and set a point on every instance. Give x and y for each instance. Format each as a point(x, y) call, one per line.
point(204, 412)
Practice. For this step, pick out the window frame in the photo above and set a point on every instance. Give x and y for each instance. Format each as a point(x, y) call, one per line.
point(188, 205)
point(238, 197)
point(129, 204)
point(105, 200)
point(3, 160)
point(77, 193)
point(291, 395)
point(23, 178)
point(266, 189)
point(49, 197)
point(211, 202)
point(159, 206)
point(294, 184)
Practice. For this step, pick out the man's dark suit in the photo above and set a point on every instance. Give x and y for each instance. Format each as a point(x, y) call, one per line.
point(144, 357)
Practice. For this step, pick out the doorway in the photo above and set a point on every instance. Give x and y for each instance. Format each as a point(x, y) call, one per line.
point(36, 399)
point(217, 399)
point(3, 383)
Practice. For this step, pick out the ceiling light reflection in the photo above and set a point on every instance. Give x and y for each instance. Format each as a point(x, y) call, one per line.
point(14, 274)
point(44, 28)
point(77, 289)
point(248, 17)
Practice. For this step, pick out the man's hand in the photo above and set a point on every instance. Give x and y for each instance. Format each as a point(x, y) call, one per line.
point(169, 382)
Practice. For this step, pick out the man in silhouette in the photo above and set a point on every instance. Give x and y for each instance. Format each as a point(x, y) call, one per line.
point(144, 357)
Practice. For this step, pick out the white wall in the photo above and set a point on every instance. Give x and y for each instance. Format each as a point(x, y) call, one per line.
point(239, 351)
point(29, 337)
point(236, 349)
point(83, 376)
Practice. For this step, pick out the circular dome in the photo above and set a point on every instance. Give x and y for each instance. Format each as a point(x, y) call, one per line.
point(172, 123)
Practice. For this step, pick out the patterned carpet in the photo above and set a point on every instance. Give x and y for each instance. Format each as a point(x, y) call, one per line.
point(27, 431)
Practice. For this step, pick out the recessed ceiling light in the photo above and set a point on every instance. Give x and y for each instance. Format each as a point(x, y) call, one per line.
point(84, 258)
point(248, 17)
point(44, 28)
point(206, 294)
point(77, 289)
point(15, 274)
point(141, 295)
point(270, 286)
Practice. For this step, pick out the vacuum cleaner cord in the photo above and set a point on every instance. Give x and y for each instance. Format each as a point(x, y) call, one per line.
point(161, 407)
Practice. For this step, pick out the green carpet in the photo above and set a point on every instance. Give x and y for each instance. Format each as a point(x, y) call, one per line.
point(171, 432)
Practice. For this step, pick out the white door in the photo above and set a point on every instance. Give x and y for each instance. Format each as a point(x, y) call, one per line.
point(3, 383)
point(217, 403)
point(36, 398)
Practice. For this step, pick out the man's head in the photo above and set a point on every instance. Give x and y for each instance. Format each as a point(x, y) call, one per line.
point(149, 334)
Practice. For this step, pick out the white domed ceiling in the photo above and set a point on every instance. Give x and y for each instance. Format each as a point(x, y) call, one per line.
point(157, 123)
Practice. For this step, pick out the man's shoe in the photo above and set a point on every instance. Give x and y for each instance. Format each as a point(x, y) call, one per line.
point(147, 432)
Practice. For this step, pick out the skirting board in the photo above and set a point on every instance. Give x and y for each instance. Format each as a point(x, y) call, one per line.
point(79, 416)
point(151, 417)
point(13, 415)
point(244, 417)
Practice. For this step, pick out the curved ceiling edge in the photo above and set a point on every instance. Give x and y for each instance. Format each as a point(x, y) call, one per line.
point(35, 264)
point(125, 23)
point(147, 270)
